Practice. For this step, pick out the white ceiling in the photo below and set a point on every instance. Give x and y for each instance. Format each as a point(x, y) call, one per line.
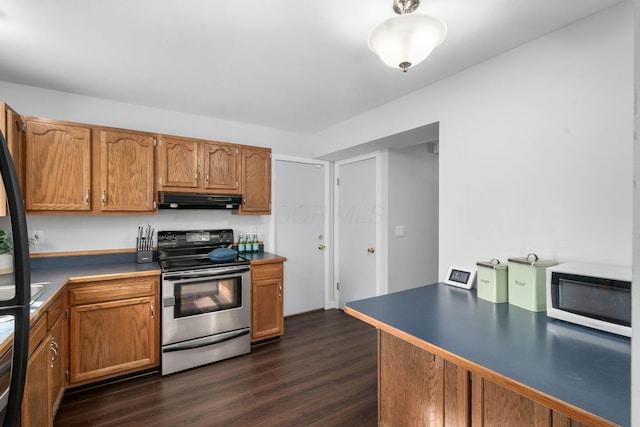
point(299, 65)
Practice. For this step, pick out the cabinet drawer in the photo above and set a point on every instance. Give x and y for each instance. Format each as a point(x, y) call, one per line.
point(111, 290)
point(266, 271)
point(37, 333)
point(56, 309)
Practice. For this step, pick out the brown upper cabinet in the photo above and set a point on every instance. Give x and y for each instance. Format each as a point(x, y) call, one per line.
point(191, 165)
point(72, 167)
point(58, 166)
point(255, 181)
point(12, 127)
point(127, 171)
point(67, 168)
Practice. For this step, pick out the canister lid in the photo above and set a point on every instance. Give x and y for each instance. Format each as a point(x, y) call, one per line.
point(494, 264)
point(533, 260)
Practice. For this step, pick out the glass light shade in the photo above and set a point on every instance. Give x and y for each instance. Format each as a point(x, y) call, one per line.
point(407, 38)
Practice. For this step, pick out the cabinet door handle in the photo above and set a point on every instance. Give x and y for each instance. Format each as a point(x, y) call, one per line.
point(153, 310)
point(207, 178)
point(280, 290)
point(371, 250)
point(54, 351)
point(86, 198)
point(104, 198)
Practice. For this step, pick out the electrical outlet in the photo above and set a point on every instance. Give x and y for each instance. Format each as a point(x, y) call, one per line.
point(399, 230)
point(37, 236)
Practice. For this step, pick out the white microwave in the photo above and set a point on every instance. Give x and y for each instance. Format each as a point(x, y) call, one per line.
point(593, 295)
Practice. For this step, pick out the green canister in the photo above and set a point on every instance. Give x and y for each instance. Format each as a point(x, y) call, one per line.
point(492, 281)
point(528, 282)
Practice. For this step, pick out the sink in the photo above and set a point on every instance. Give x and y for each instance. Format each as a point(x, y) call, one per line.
point(37, 289)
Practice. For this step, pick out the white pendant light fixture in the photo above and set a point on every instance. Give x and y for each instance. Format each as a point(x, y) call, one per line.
point(406, 39)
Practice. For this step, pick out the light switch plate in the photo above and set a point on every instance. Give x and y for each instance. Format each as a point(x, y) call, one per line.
point(399, 230)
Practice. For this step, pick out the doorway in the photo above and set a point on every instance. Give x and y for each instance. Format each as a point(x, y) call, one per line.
point(300, 231)
point(359, 220)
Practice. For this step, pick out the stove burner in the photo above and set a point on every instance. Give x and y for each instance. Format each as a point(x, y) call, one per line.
point(189, 249)
point(198, 263)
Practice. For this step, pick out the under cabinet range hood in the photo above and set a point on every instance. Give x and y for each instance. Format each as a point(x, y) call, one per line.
point(199, 201)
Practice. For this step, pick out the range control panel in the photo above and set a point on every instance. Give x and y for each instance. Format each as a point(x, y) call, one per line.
point(194, 238)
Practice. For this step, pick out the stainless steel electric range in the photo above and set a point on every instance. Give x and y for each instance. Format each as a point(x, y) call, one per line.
point(206, 305)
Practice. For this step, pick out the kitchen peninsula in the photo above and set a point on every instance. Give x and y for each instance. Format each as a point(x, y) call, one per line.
point(447, 357)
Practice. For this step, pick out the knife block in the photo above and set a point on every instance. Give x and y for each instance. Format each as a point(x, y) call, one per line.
point(144, 256)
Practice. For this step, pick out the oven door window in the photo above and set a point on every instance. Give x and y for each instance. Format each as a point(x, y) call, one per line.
point(195, 298)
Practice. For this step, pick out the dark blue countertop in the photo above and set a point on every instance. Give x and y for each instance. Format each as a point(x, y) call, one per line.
point(586, 368)
point(59, 270)
point(260, 257)
point(56, 271)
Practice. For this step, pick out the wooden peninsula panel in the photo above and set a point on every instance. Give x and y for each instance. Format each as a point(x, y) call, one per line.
point(420, 374)
point(500, 365)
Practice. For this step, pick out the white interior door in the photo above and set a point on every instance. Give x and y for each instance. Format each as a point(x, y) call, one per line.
point(356, 219)
point(299, 200)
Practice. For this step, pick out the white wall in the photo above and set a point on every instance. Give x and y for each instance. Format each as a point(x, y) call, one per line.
point(413, 203)
point(535, 146)
point(79, 233)
point(38, 102)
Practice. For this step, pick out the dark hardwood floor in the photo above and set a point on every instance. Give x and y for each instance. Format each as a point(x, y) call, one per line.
point(322, 372)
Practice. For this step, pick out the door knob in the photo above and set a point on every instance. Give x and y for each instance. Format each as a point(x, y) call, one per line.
point(321, 247)
point(371, 250)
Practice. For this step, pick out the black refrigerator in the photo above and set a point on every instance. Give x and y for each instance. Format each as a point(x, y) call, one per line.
point(14, 306)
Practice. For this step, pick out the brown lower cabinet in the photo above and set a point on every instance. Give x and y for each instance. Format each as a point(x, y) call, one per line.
point(114, 328)
point(416, 387)
point(58, 325)
point(110, 328)
point(267, 300)
point(36, 400)
point(46, 366)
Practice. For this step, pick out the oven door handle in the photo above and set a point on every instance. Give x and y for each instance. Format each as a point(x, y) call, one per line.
point(206, 341)
point(184, 277)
